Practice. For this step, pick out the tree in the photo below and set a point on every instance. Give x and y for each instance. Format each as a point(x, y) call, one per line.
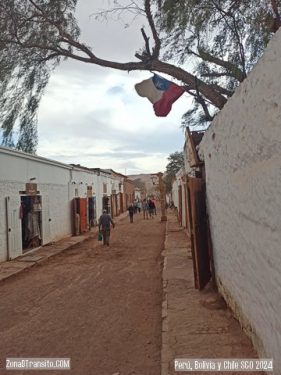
point(28, 33)
point(176, 162)
point(223, 38)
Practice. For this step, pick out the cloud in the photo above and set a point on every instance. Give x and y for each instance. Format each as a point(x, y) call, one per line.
point(115, 90)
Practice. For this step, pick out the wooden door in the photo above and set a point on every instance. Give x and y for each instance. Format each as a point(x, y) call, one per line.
point(199, 232)
point(83, 215)
point(121, 203)
point(46, 220)
point(13, 227)
point(180, 205)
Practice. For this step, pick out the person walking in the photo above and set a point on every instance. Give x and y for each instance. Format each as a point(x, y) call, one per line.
point(154, 202)
point(151, 207)
point(131, 210)
point(135, 206)
point(104, 226)
point(139, 206)
point(145, 209)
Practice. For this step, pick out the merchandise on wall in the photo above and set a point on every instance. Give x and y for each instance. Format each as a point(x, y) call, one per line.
point(31, 222)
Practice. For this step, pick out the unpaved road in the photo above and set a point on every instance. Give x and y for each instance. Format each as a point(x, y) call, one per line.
point(100, 306)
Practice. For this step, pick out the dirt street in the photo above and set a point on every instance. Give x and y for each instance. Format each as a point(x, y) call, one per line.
point(100, 306)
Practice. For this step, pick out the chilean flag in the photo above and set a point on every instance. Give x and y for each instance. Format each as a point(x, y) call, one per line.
point(161, 92)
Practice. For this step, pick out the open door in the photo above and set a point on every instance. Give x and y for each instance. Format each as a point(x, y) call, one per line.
point(46, 220)
point(180, 205)
point(14, 242)
point(199, 232)
point(92, 212)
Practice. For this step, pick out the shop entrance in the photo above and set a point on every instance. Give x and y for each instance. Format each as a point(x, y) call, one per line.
point(106, 204)
point(31, 215)
point(92, 212)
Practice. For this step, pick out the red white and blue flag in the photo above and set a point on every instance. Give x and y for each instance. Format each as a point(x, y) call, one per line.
point(160, 92)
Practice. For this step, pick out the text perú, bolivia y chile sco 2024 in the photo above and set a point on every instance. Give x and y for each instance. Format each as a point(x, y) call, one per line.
point(224, 364)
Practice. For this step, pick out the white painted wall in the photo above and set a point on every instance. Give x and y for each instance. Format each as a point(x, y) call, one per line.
point(52, 178)
point(103, 178)
point(138, 194)
point(187, 167)
point(80, 180)
point(180, 176)
point(242, 152)
point(175, 193)
point(57, 183)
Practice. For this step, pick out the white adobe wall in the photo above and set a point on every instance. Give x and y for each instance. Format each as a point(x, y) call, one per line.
point(180, 175)
point(112, 182)
point(57, 183)
point(52, 180)
point(242, 152)
point(175, 193)
point(80, 180)
point(102, 179)
point(188, 170)
point(138, 194)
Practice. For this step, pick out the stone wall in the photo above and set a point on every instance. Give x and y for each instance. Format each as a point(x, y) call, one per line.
point(242, 153)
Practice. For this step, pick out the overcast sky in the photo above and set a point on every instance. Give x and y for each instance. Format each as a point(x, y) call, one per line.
point(93, 116)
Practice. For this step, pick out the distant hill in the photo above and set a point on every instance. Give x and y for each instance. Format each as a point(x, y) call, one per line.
point(145, 178)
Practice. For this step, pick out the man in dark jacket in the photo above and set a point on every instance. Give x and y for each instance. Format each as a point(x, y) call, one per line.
point(104, 226)
point(131, 210)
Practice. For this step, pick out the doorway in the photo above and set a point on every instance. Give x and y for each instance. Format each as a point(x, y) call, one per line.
point(106, 204)
point(31, 215)
point(92, 212)
point(200, 238)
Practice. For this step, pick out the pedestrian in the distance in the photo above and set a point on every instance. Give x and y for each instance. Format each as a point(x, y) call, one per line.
point(151, 207)
point(154, 202)
point(145, 209)
point(139, 206)
point(104, 226)
point(131, 210)
point(135, 206)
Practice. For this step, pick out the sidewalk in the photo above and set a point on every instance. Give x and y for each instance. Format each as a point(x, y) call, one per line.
point(38, 256)
point(195, 324)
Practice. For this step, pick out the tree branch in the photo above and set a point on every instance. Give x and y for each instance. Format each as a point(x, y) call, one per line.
point(233, 69)
point(276, 22)
point(235, 31)
point(146, 40)
point(83, 53)
point(156, 49)
point(118, 8)
point(221, 90)
point(275, 8)
point(203, 104)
